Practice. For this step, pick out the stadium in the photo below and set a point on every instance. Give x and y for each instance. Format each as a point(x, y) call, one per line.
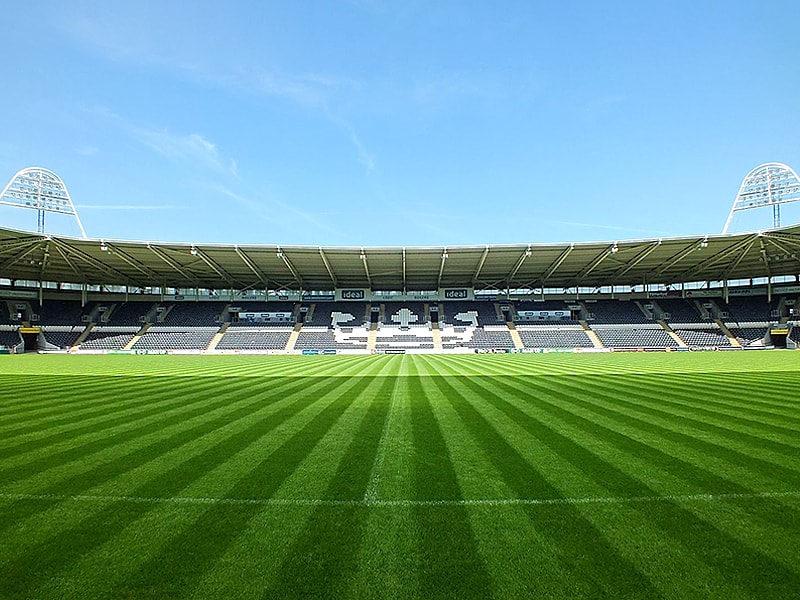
point(530, 420)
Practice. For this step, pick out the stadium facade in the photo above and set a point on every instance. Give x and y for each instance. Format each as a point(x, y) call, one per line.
point(80, 294)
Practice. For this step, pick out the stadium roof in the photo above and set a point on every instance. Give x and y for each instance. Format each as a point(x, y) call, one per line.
point(39, 257)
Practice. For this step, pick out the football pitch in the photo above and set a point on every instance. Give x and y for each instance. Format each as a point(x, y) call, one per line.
point(673, 475)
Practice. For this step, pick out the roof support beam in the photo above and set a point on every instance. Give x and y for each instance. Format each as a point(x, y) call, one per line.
point(216, 267)
point(557, 263)
point(745, 243)
point(595, 263)
point(252, 266)
point(441, 269)
point(518, 265)
point(173, 264)
point(404, 270)
point(34, 245)
point(328, 267)
point(673, 260)
point(150, 274)
point(298, 280)
point(480, 265)
point(363, 257)
point(642, 255)
point(97, 264)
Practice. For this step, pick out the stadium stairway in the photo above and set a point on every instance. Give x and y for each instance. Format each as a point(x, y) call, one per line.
point(437, 336)
point(515, 337)
point(591, 334)
point(293, 337)
point(218, 336)
point(672, 334)
point(373, 334)
point(82, 337)
point(137, 336)
point(731, 338)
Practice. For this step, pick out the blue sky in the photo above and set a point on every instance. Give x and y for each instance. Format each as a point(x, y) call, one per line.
point(371, 122)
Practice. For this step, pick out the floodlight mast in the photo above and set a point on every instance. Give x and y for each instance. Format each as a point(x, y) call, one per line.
point(41, 190)
point(770, 184)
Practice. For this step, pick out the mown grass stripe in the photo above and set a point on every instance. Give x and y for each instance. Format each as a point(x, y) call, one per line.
point(441, 571)
point(626, 451)
point(158, 445)
point(582, 548)
point(99, 528)
point(694, 409)
point(664, 433)
point(735, 560)
point(149, 401)
point(729, 441)
point(324, 555)
point(112, 432)
point(182, 561)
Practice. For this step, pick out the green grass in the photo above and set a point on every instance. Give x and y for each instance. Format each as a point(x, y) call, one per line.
point(547, 476)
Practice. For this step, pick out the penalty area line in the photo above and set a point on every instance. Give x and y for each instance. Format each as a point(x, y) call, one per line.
point(399, 502)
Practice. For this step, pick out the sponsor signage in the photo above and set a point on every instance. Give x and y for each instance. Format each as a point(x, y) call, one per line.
point(351, 294)
point(265, 317)
point(457, 294)
point(309, 297)
point(543, 315)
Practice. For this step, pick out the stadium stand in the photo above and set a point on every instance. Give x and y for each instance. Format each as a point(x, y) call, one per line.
point(247, 339)
point(111, 338)
point(476, 313)
point(635, 337)
point(678, 310)
point(332, 314)
point(129, 313)
point(703, 337)
point(534, 336)
point(9, 339)
point(59, 312)
point(750, 336)
point(615, 312)
point(162, 338)
point(192, 314)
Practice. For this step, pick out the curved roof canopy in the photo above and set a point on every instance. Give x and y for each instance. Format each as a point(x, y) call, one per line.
point(37, 257)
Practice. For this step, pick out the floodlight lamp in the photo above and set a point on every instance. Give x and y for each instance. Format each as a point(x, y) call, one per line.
point(103, 246)
point(528, 251)
point(704, 242)
point(614, 248)
point(193, 251)
point(445, 255)
point(362, 256)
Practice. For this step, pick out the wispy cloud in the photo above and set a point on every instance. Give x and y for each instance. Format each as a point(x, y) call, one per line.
point(191, 147)
point(267, 208)
point(127, 207)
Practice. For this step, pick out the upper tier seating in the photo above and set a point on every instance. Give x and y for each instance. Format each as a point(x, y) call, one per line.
point(616, 312)
point(332, 314)
point(476, 313)
point(59, 312)
point(404, 314)
point(748, 309)
point(129, 313)
point(194, 314)
point(680, 310)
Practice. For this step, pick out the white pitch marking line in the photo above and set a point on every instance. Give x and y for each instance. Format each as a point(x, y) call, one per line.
point(371, 494)
point(399, 502)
